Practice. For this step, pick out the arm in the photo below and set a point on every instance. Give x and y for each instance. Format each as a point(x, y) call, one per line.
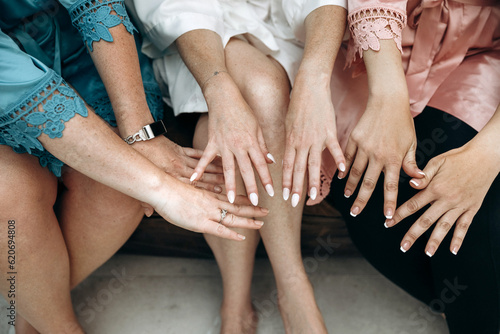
point(384, 138)
point(310, 122)
point(455, 185)
point(234, 133)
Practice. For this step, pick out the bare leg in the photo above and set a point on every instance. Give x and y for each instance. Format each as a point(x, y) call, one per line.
point(236, 261)
point(28, 193)
point(265, 87)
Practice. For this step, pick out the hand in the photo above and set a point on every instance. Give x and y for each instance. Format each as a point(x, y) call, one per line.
point(233, 133)
point(310, 128)
point(455, 186)
point(180, 162)
point(200, 211)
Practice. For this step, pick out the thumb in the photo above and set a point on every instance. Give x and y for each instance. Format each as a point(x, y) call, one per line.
point(430, 171)
point(410, 165)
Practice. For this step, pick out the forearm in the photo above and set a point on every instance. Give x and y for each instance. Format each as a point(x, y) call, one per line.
point(92, 148)
point(118, 66)
point(325, 28)
point(488, 138)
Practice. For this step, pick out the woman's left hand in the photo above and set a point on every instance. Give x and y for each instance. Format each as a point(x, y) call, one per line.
point(455, 185)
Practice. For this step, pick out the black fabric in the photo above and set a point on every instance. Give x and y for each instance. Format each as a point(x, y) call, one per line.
point(466, 286)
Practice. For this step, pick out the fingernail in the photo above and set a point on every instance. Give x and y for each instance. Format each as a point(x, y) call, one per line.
point(270, 157)
point(354, 212)
point(421, 173)
point(385, 224)
point(340, 176)
point(405, 247)
point(388, 223)
point(313, 193)
point(455, 250)
point(270, 190)
point(415, 183)
point(286, 194)
point(148, 212)
point(265, 210)
point(342, 167)
point(388, 214)
point(347, 194)
point(258, 222)
point(194, 176)
point(295, 200)
point(430, 252)
point(230, 196)
point(218, 189)
point(254, 199)
point(241, 236)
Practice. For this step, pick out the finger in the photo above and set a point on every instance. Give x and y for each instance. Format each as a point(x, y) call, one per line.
point(263, 147)
point(430, 171)
point(228, 167)
point(409, 207)
point(203, 185)
point(367, 186)
point(391, 183)
point(337, 154)
point(215, 179)
point(299, 173)
point(242, 207)
point(208, 155)
point(441, 229)
point(423, 223)
point(248, 176)
point(461, 228)
point(314, 167)
point(193, 153)
point(219, 230)
point(260, 165)
point(288, 163)
point(213, 167)
point(148, 209)
point(357, 170)
point(349, 155)
point(233, 221)
point(410, 165)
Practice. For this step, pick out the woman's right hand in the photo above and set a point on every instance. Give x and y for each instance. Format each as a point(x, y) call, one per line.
point(234, 132)
point(200, 211)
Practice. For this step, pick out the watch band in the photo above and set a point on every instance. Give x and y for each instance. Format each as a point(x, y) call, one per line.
point(148, 132)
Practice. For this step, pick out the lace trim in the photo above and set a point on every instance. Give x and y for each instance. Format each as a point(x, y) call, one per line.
point(93, 18)
point(369, 25)
point(45, 111)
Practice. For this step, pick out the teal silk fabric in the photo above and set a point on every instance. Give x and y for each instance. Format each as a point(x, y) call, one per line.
point(40, 44)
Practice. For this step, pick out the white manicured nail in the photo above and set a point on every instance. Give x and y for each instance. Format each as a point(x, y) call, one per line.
point(347, 196)
point(270, 156)
point(342, 167)
point(254, 199)
point(313, 193)
point(194, 176)
point(402, 249)
point(295, 200)
point(415, 183)
point(230, 196)
point(421, 173)
point(352, 214)
point(286, 194)
point(385, 225)
point(429, 254)
point(270, 190)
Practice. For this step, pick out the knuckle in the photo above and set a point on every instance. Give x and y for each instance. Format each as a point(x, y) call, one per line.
point(227, 168)
point(412, 236)
point(299, 168)
point(425, 222)
point(348, 157)
point(463, 226)
point(356, 172)
point(391, 186)
point(444, 225)
point(287, 166)
point(412, 206)
point(220, 229)
point(369, 183)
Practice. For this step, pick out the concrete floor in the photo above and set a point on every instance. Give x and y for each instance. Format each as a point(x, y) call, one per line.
point(146, 294)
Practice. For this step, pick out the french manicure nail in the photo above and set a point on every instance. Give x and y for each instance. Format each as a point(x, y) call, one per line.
point(218, 189)
point(254, 199)
point(342, 167)
point(388, 214)
point(385, 224)
point(313, 193)
point(354, 212)
point(270, 157)
point(455, 250)
point(415, 183)
point(230, 196)
point(270, 190)
point(428, 253)
point(295, 200)
point(265, 210)
point(258, 222)
point(242, 237)
point(347, 194)
point(421, 173)
point(286, 194)
point(405, 247)
point(194, 176)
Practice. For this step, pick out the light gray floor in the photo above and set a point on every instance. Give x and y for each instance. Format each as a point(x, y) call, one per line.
point(146, 294)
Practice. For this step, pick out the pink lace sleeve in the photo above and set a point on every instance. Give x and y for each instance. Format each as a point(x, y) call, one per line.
point(370, 24)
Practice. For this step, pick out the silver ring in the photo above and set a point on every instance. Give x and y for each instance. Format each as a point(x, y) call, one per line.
point(223, 213)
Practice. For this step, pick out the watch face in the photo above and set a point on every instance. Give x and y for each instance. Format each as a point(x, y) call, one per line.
point(158, 128)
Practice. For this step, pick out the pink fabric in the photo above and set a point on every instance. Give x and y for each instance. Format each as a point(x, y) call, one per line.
point(451, 57)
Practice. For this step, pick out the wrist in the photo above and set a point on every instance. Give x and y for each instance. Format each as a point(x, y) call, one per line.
point(487, 149)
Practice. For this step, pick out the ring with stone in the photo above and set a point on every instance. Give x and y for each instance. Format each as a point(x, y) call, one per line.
point(223, 213)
